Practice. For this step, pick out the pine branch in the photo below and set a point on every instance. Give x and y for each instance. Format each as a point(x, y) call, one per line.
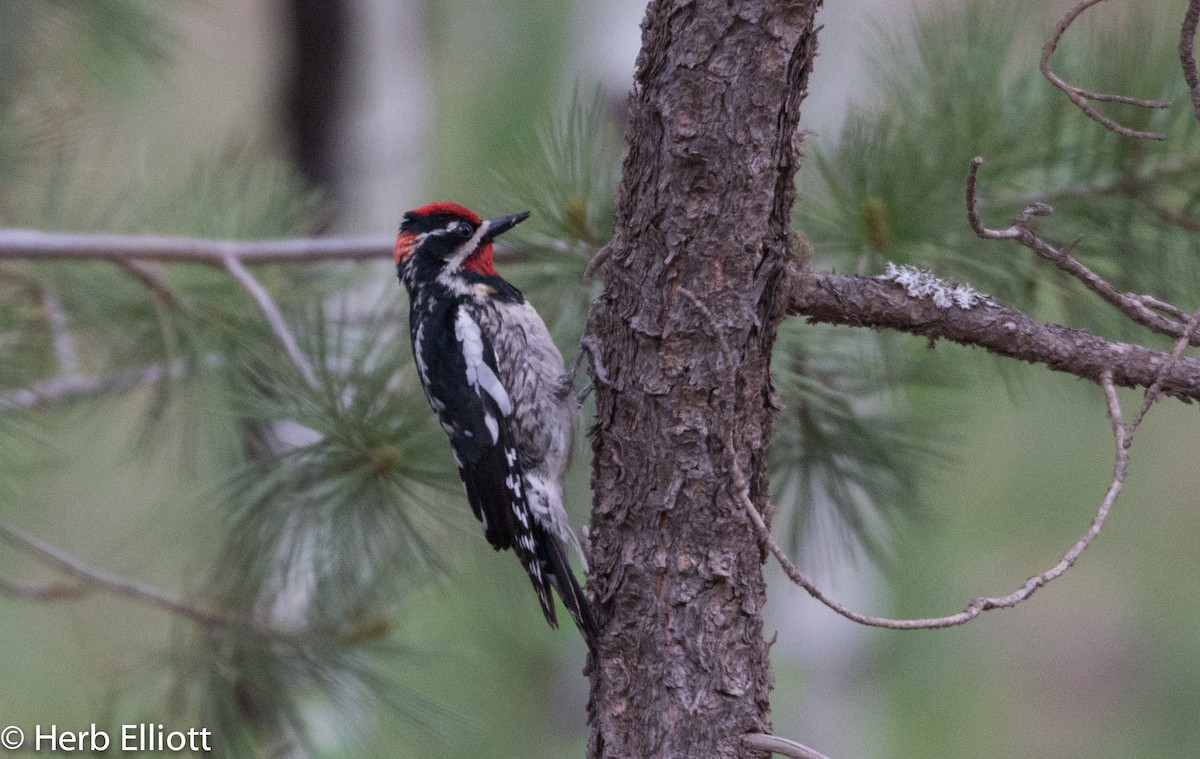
point(862, 301)
point(130, 252)
point(35, 245)
point(876, 302)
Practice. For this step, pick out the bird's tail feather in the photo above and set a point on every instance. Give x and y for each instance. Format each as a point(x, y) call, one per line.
point(572, 595)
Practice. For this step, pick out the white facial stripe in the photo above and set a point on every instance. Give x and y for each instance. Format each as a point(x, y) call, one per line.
point(468, 247)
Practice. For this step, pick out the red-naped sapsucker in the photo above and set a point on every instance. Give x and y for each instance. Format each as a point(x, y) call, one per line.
point(496, 382)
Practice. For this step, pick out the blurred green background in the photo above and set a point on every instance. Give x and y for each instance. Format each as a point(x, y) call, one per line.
point(450, 97)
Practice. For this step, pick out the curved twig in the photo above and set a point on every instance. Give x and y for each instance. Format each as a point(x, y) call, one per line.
point(1123, 438)
point(148, 277)
point(1080, 96)
point(979, 605)
point(781, 746)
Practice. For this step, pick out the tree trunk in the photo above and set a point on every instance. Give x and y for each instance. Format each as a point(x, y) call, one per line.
point(694, 292)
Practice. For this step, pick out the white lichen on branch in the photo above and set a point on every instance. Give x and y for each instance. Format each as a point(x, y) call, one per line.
point(922, 283)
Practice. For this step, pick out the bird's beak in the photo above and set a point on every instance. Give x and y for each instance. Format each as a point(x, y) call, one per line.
point(501, 224)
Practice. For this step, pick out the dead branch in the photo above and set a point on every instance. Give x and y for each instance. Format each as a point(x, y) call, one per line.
point(1155, 390)
point(979, 605)
point(1140, 308)
point(274, 318)
point(35, 245)
point(1080, 96)
point(1123, 437)
point(862, 301)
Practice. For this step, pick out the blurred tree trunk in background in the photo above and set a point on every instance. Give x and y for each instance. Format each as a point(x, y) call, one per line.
point(316, 87)
point(684, 398)
point(358, 102)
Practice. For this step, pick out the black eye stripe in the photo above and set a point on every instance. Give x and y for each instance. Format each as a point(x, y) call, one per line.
point(457, 229)
point(438, 222)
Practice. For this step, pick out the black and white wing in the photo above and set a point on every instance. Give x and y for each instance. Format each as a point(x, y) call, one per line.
point(475, 415)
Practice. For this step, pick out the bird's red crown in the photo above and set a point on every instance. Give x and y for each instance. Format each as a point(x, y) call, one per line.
point(479, 262)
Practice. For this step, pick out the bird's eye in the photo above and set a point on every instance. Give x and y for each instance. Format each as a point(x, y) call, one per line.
point(462, 229)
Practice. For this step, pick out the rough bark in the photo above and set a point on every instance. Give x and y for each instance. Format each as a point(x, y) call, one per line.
point(696, 283)
point(859, 301)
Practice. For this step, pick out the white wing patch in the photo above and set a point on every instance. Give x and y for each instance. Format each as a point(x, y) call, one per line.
point(479, 375)
point(419, 351)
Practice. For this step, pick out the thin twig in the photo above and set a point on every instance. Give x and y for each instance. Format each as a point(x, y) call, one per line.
point(1170, 309)
point(1079, 96)
point(130, 252)
point(1155, 390)
point(979, 605)
point(100, 578)
point(781, 746)
point(1140, 308)
point(274, 318)
point(741, 491)
point(1123, 436)
point(164, 300)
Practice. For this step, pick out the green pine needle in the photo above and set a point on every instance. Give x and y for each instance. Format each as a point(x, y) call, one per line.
point(568, 180)
point(848, 457)
point(963, 81)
